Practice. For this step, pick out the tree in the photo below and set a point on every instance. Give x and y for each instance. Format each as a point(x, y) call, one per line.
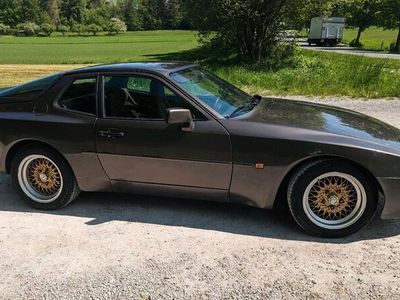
point(96, 16)
point(300, 16)
point(94, 28)
point(152, 14)
point(73, 10)
point(52, 9)
point(116, 26)
point(8, 12)
point(29, 11)
point(173, 14)
point(389, 18)
point(248, 28)
point(97, 13)
point(128, 11)
point(361, 14)
point(47, 29)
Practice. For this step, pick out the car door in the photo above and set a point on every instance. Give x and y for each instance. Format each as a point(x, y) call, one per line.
point(135, 143)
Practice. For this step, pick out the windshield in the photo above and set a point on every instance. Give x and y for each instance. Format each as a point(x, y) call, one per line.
point(214, 92)
point(30, 89)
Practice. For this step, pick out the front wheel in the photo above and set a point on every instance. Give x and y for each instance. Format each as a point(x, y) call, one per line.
point(43, 178)
point(332, 198)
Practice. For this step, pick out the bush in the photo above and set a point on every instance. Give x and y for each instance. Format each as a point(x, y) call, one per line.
point(63, 29)
point(78, 28)
point(94, 28)
point(116, 26)
point(28, 28)
point(47, 29)
point(4, 29)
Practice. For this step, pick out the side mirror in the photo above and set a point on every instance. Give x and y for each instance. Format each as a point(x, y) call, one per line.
point(258, 97)
point(180, 116)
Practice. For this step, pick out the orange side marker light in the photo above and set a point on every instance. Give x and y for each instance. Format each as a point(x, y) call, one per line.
point(260, 166)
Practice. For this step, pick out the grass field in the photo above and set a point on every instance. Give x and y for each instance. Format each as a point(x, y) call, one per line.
point(142, 45)
point(307, 73)
point(373, 38)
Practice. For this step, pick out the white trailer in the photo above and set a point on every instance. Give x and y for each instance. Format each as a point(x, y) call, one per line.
point(326, 31)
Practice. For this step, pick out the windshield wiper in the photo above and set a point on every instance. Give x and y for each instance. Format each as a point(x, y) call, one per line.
point(254, 101)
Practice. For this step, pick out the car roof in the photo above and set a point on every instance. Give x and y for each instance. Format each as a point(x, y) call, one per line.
point(163, 68)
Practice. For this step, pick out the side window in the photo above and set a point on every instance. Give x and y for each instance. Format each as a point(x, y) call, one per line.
point(140, 97)
point(80, 96)
point(141, 84)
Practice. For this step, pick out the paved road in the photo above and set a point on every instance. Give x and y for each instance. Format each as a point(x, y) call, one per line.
point(107, 246)
point(352, 51)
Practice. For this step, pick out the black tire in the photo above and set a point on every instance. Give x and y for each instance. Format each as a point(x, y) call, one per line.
point(298, 198)
point(66, 193)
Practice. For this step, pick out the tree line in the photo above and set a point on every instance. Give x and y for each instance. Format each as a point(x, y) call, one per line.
point(90, 16)
point(247, 27)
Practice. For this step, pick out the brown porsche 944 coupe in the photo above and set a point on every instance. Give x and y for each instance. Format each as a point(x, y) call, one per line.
point(176, 129)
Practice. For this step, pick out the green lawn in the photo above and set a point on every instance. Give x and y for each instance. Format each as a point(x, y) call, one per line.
point(130, 46)
point(373, 38)
point(307, 73)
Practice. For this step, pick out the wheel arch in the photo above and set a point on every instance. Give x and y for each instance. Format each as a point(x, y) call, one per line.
point(12, 152)
point(280, 201)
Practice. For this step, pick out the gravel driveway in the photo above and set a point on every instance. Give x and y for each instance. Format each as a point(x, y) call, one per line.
point(350, 50)
point(122, 246)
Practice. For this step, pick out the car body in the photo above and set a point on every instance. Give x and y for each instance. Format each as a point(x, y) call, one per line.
point(249, 157)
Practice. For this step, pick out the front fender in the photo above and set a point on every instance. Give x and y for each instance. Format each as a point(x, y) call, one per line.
point(281, 149)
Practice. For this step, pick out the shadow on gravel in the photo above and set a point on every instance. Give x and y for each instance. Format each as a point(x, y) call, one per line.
point(224, 217)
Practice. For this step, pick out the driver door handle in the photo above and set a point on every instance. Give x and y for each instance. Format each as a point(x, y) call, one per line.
point(112, 133)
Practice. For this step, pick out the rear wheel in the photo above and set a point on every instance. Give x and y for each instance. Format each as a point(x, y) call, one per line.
point(332, 198)
point(43, 178)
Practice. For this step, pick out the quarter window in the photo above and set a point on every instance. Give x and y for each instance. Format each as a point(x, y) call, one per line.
point(31, 89)
point(80, 96)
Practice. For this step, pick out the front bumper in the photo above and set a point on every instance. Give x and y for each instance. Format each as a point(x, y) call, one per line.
point(391, 190)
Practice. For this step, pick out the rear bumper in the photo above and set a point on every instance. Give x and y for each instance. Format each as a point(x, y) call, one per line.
point(391, 190)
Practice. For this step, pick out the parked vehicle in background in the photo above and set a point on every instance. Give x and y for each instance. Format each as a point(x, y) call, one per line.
point(326, 31)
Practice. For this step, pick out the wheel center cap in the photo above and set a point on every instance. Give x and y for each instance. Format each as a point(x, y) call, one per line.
point(333, 200)
point(43, 177)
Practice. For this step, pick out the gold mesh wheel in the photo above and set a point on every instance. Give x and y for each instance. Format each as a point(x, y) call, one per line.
point(334, 200)
point(40, 178)
point(44, 176)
